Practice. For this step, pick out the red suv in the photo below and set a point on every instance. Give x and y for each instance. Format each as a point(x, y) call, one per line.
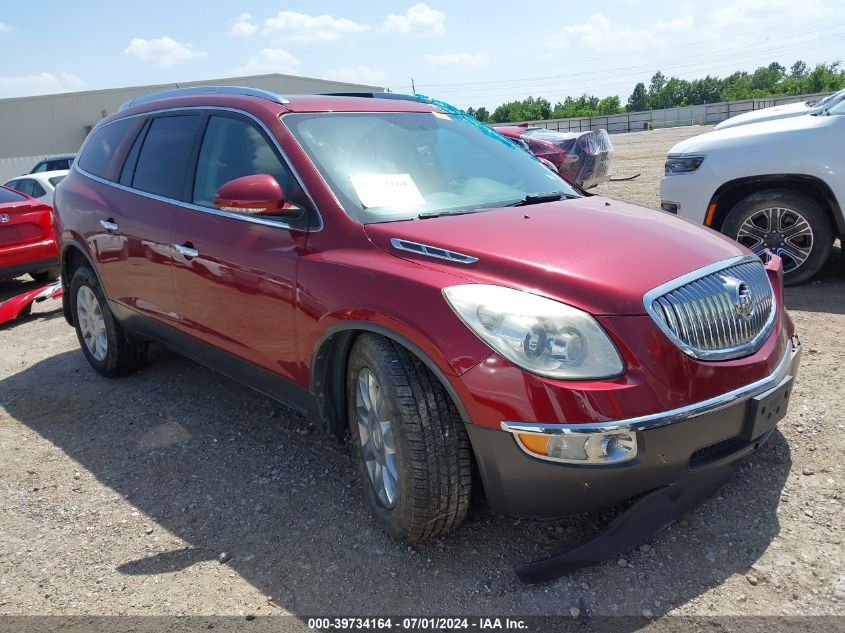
point(394, 271)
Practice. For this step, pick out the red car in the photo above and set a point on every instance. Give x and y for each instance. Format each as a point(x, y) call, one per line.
point(27, 237)
point(408, 278)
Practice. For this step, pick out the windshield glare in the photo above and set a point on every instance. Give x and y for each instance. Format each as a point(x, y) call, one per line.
point(388, 166)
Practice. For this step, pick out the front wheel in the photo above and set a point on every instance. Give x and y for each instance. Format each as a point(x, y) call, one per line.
point(791, 225)
point(413, 453)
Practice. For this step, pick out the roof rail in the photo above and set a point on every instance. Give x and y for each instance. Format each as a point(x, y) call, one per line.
point(206, 90)
point(377, 95)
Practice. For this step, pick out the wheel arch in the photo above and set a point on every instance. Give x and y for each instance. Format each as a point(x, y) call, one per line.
point(328, 372)
point(728, 195)
point(73, 256)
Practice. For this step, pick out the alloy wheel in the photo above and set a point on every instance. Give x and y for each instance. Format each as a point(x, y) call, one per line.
point(785, 232)
point(375, 430)
point(92, 326)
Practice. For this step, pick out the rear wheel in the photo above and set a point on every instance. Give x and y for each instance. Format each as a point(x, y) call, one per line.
point(101, 337)
point(43, 276)
point(791, 225)
point(413, 453)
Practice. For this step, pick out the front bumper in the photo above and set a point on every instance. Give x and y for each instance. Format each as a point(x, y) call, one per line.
point(690, 192)
point(672, 446)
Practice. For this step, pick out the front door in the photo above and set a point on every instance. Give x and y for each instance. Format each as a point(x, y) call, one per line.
point(235, 275)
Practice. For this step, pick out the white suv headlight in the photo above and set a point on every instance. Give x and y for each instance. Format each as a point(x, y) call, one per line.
point(540, 335)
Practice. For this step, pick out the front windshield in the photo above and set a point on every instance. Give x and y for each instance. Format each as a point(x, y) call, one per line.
point(387, 166)
point(839, 108)
point(830, 100)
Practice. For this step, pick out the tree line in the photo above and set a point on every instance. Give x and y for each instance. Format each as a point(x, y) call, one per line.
point(773, 80)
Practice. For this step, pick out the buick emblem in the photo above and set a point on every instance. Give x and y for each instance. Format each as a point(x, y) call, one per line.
point(740, 296)
point(4, 217)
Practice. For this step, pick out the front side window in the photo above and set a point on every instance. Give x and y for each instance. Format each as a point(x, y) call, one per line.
point(233, 148)
point(164, 158)
point(56, 165)
point(387, 166)
point(42, 166)
point(101, 148)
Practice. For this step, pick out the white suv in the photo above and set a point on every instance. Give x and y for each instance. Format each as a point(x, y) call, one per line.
point(776, 184)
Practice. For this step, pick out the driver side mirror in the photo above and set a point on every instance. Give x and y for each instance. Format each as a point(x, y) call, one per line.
point(259, 194)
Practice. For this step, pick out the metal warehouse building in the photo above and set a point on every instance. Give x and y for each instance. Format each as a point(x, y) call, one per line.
point(34, 127)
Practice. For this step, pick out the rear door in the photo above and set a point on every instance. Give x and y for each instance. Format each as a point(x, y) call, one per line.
point(133, 246)
point(235, 281)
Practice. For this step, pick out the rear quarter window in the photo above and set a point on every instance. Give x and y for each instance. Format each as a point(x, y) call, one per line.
point(101, 148)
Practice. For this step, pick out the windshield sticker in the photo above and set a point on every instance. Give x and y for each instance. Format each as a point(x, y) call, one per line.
point(386, 190)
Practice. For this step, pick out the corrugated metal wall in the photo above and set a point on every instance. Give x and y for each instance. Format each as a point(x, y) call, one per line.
point(34, 127)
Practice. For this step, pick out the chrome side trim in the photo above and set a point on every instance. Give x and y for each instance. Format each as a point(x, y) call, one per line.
point(191, 91)
point(706, 354)
point(431, 251)
point(196, 207)
point(664, 418)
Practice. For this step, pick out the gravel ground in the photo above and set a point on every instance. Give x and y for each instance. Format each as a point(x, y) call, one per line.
point(120, 496)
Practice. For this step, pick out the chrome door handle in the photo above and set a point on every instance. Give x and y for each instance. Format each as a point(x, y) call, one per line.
point(187, 251)
point(108, 225)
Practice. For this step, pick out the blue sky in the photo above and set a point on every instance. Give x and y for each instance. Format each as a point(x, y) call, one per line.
point(468, 53)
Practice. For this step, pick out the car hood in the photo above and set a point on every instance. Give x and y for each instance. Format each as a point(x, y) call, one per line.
point(594, 253)
point(769, 133)
point(766, 114)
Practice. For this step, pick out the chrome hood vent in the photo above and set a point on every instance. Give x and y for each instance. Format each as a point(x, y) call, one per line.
point(719, 312)
point(432, 251)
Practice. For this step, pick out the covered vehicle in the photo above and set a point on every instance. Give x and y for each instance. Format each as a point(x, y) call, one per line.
point(784, 111)
point(583, 158)
point(27, 239)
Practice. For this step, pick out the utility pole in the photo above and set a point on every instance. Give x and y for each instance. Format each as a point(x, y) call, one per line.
point(413, 89)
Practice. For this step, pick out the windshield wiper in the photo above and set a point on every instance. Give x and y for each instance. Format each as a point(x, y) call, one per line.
point(436, 214)
point(539, 198)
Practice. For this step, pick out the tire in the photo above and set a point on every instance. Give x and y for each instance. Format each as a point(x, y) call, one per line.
point(43, 276)
point(115, 355)
point(433, 457)
point(766, 220)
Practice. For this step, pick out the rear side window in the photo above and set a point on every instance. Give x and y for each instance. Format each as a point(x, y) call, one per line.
point(37, 190)
point(164, 157)
point(24, 186)
point(233, 148)
point(101, 147)
point(7, 196)
point(55, 180)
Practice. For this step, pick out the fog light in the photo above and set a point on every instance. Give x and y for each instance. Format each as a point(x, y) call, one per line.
point(586, 448)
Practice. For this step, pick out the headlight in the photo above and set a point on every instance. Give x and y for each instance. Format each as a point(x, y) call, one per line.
point(540, 335)
point(682, 164)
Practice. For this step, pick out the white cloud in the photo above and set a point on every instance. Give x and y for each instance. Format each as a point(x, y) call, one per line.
point(270, 60)
point(301, 27)
point(462, 60)
point(765, 13)
point(357, 75)
point(163, 52)
point(43, 83)
point(4, 28)
point(598, 35)
point(244, 27)
point(420, 20)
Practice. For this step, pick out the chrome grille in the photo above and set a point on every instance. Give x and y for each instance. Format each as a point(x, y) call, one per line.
point(723, 311)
